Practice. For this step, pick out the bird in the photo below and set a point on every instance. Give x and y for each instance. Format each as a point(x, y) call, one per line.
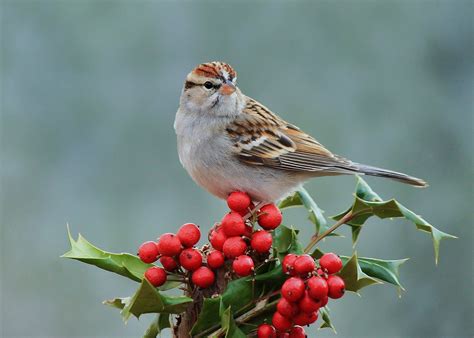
point(228, 141)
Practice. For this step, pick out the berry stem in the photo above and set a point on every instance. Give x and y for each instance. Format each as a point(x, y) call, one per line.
point(251, 213)
point(346, 218)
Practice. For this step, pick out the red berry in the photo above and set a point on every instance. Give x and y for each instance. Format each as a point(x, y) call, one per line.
point(248, 231)
point(331, 263)
point(297, 332)
point(270, 217)
point(288, 264)
point(324, 301)
point(215, 259)
point(246, 211)
point(320, 272)
point(169, 245)
point(217, 238)
point(203, 277)
point(169, 263)
point(189, 234)
point(156, 276)
point(283, 335)
point(293, 289)
point(336, 287)
point(148, 252)
point(190, 259)
point(304, 264)
point(304, 318)
point(243, 265)
point(234, 247)
point(308, 305)
point(233, 224)
point(317, 287)
point(261, 241)
point(287, 308)
point(266, 331)
point(238, 201)
point(280, 322)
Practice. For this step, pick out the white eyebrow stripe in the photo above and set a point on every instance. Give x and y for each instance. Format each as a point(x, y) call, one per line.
point(225, 74)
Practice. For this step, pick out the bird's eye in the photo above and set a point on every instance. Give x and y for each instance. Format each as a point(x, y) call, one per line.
point(208, 85)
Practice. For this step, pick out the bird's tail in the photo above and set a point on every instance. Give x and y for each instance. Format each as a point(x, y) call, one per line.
point(404, 178)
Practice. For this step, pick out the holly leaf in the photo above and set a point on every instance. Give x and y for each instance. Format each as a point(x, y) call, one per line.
point(354, 278)
point(384, 270)
point(285, 241)
point(161, 322)
point(282, 237)
point(118, 303)
point(123, 263)
point(207, 317)
point(367, 204)
point(303, 198)
point(147, 299)
point(231, 330)
point(239, 295)
point(324, 313)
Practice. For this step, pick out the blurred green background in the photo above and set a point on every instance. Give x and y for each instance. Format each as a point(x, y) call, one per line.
point(89, 93)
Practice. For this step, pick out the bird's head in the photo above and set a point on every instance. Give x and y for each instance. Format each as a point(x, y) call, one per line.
point(210, 88)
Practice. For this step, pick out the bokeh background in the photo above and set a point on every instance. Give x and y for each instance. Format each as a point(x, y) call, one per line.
point(89, 92)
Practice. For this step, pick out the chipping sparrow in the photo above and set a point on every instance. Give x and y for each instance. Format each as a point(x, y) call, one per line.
point(228, 141)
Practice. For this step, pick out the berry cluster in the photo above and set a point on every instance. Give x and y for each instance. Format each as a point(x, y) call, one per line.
point(233, 240)
point(307, 289)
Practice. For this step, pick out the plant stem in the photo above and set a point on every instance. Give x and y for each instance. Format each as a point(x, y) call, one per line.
point(346, 218)
point(246, 317)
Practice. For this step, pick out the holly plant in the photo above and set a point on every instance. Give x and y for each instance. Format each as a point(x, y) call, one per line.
point(255, 277)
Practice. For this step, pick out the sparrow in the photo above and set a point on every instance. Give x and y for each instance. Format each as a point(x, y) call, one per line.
point(229, 142)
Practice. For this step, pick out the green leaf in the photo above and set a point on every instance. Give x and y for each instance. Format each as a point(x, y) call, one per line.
point(367, 203)
point(303, 198)
point(285, 240)
point(295, 245)
point(324, 313)
point(147, 299)
point(123, 264)
point(118, 303)
point(228, 325)
point(354, 278)
point(282, 237)
point(207, 317)
point(161, 322)
point(384, 270)
point(239, 295)
point(265, 316)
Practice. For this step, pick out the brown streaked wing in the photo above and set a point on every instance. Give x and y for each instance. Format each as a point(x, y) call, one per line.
point(262, 138)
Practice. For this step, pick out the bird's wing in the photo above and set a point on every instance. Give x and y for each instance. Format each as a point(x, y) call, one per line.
point(262, 138)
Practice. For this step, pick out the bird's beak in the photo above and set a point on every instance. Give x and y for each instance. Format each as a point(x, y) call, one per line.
point(227, 88)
